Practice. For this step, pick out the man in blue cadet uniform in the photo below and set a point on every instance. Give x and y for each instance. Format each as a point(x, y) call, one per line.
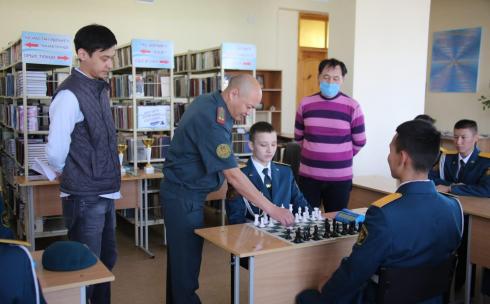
point(198, 160)
point(413, 227)
point(82, 146)
point(466, 172)
point(18, 281)
point(274, 180)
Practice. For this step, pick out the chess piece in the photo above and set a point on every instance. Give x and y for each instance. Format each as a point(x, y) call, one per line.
point(287, 236)
point(326, 234)
point(296, 218)
point(148, 141)
point(344, 229)
point(297, 237)
point(271, 224)
point(307, 210)
point(352, 228)
point(335, 229)
point(262, 223)
point(299, 211)
point(266, 218)
point(256, 221)
point(316, 235)
point(290, 207)
point(305, 217)
point(306, 236)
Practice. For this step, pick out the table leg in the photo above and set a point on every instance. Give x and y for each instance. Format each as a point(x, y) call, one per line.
point(251, 270)
point(30, 218)
point(236, 281)
point(467, 290)
point(83, 295)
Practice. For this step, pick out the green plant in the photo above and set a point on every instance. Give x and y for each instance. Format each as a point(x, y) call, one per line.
point(485, 101)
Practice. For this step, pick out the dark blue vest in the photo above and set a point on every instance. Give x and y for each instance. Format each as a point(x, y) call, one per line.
point(92, 164)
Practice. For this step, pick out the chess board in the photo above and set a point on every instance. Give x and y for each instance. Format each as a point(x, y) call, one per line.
point(279, 231)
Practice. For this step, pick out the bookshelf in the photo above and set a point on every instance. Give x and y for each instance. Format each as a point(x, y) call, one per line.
point(204, 71)
point(271, 83)
point(142, 103)
point(31, 68)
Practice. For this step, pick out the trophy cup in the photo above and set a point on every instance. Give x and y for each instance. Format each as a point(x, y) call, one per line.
point(148, 141)
point(121, 148)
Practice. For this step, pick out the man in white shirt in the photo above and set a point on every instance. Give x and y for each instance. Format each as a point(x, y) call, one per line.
point(82, 147)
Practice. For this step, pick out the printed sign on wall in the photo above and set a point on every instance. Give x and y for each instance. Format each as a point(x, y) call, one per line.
point(43, 48)
point(239, 56)
point(157, 54)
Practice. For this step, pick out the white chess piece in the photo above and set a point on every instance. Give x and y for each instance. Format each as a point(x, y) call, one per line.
point(262, 222)
point(271, 224)
point(296, 218)
point(299, 211)
point(282, 205)
point(291, 208)
point(305, 217)
point(266, 218)
point(307, 210)
point(256, 221)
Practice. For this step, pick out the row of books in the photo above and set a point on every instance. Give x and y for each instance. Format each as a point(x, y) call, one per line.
point(180, 63)
point(13, 116)
point(35, 83)
point(11, 55)
point(179, 110)
point(185, 87)
point(36, 148)
point(38, 83)
point(159, 148)
point(122, 57)
point(240, 143)
point(150, 84)
point(205, 60)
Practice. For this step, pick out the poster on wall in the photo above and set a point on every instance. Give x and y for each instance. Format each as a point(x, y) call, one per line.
point(455, 60)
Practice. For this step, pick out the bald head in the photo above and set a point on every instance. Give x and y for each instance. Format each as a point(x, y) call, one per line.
point(242, 95)
point(245, 83)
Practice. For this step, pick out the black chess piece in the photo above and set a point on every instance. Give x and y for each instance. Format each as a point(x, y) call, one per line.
point(287, 235)
point(344, 229)
point(326, 234)
point(352, 228)
point(335, 229)
point(316, 235)
point(297, 237)
point(306, 234)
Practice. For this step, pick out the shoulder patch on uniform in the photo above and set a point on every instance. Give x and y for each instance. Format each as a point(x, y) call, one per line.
point(283, 164)
point(449, 194)
point(488, 172)
point(223, 151)
point(14, 242)
point(484, 154)
point(362, 235)
point(220, 115)
point(386, 200)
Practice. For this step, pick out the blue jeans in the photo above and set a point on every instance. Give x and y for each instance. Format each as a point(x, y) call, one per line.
point(91, 220)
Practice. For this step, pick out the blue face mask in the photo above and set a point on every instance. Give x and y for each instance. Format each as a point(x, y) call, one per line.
point(329, 89)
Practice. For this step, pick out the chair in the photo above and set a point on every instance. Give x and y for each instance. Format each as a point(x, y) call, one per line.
point(413, 285)
point(291, 156)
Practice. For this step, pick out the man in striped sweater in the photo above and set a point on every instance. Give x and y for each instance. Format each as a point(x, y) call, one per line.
point(330, 129)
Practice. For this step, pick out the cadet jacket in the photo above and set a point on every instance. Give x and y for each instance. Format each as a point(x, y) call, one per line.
point(284, 191)
point(475, 179)
point(18, 281)
point(415, 226)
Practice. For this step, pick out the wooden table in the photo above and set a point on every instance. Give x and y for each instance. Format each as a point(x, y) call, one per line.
point(69, 286)
point(278, 269)
point(42, 198)
point(478, 250)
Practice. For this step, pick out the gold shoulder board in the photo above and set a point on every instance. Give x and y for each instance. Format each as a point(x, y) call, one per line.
point(386, 200)
point(14, 242)
point(484, 154)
